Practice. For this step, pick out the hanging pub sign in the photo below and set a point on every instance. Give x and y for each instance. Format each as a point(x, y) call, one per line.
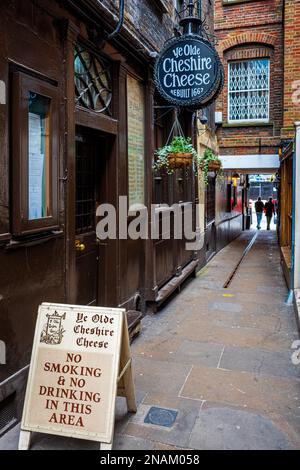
point(188, 72)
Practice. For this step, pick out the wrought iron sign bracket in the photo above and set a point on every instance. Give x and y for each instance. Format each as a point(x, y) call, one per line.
point(188, 71)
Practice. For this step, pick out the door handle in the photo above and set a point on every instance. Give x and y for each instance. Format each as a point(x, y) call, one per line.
point(79, 245)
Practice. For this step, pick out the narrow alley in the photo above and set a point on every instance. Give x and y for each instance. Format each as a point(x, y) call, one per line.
point(222, 357)
point(150, 227)
point(213, 369)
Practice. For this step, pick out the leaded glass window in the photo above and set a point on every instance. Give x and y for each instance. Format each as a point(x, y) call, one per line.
point(249, 90)
point(92, 81)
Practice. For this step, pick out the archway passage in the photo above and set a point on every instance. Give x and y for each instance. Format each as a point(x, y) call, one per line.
point(263, 201)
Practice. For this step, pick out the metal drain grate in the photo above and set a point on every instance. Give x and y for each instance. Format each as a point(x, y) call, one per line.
point(161, 417)
point(8, 413)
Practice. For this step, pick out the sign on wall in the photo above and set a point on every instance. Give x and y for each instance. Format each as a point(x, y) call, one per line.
point(188, 72)
point(136, 141)
point(77, 357)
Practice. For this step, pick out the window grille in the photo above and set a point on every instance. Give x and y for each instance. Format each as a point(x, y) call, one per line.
point(93, 84)
point(249, 90)
point(85, 188)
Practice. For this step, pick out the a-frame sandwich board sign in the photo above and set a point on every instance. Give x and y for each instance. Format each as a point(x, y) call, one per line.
point(80, 361)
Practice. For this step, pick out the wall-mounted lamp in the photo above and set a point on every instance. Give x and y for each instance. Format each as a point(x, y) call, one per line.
point(235, 177)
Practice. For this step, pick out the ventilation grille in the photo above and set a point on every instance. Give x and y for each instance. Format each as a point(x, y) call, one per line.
point(8, 413)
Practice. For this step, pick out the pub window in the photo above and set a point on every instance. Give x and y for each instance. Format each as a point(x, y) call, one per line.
point(249, 90)
point(161, 131)
point(235, 200)
point(232, 197)
point(35, 147)
point(211, 199)
point(229, 198)
point(93, 84)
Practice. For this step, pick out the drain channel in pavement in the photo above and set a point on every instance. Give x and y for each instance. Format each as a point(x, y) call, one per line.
point(245, 252)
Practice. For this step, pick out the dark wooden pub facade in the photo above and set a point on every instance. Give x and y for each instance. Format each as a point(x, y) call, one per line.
point(77, 130)
point(79, 123)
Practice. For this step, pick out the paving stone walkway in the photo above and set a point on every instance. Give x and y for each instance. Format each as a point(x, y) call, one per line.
point(217, 361)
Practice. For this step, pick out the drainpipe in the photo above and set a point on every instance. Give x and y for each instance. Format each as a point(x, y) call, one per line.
point(121, 20)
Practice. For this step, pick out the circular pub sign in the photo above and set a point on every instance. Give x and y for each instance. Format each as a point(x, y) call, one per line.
point(188, 72)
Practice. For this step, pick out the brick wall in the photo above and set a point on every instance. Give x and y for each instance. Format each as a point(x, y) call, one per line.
point(247, 30)
point(291, 67)
point(147, 20)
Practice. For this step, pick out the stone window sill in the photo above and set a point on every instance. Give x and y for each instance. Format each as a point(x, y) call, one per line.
point(234, 2)
point(247, 124)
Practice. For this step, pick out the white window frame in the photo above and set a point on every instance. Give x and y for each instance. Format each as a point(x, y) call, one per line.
point(245, 121)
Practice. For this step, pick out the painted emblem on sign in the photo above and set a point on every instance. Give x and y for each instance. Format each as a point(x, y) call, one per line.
point(53, 331)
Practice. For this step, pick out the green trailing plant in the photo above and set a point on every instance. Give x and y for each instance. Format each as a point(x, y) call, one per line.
point(208, 159)
point(178, 145)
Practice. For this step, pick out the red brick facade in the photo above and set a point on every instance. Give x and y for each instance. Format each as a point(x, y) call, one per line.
point(291, 114)
point(249, 30)
point(291, 67)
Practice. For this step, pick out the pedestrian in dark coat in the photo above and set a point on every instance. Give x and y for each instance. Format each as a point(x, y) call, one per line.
point(259, 208)
point(269, 210)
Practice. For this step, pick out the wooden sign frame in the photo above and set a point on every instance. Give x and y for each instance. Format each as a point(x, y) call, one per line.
point(123, 384)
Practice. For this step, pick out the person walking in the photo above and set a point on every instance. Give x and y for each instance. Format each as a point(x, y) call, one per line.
point(275, 202)
point(270, 210)
point(259, 208)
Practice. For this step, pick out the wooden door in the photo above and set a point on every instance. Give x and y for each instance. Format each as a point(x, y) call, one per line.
point(90, 153)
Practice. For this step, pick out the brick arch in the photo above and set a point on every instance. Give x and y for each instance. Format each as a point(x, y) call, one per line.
point(248, 38)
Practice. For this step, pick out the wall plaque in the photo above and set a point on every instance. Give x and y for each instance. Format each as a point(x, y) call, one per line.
point(136, 141)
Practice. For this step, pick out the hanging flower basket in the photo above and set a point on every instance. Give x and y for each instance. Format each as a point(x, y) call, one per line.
point(180, 153)
point(179, 160)
point(214, 165)
point(209, 162)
